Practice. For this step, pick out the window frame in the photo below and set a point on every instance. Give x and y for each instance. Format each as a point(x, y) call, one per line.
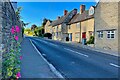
point(100, 34)
point(77, 25)
point(110, 33)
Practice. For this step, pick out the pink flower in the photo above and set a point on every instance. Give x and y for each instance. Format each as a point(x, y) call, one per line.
point(12, 30)
point(16, 38)
point(20, 57)
point(17, 29)
point(18, 75)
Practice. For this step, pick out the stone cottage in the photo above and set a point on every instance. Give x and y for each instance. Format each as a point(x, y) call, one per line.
point(82, 24)
point(107, 24)
point(60, 25)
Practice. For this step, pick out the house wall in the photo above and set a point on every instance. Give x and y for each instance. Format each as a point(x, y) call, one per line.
point(87, 26)
point(119, 28)
point(74, 30)
point(57, 32)
point(48, 29)
point(106, 18)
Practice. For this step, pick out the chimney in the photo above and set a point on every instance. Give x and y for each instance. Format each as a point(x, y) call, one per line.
point(75, 11)
point(65, 12)
point(58, 17)
point(82, 8)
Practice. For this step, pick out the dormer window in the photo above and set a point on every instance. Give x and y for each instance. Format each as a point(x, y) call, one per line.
point(91, 11)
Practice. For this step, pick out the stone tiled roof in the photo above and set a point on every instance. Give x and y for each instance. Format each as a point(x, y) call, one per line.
point(59, 21)
point(81, 17)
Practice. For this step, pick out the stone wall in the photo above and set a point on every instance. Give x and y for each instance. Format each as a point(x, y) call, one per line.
point(7, 20)
point(106, 18)
point(119, 28)
point(87, 26)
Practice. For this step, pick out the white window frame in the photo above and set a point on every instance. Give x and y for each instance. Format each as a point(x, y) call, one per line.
point(100, 34)
point(111, 32)
point(77, 35)
point(77, 25)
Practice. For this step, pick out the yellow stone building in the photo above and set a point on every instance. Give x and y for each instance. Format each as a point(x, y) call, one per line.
point(82, 25)
point(59, 26)
point(107, 34)
point(47, 27)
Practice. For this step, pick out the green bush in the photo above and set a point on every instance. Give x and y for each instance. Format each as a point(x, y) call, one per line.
point(91, 40)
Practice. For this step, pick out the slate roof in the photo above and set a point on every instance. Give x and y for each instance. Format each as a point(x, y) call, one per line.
point(59, 21)
point(81, 17)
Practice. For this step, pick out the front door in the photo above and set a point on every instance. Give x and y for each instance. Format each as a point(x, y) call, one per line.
point(84, 35)
point(70, 37)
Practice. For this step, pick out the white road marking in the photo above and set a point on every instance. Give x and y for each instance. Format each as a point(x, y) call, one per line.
point(47, 42)
point(53, 44)
point(114, 65)
point(53, 69)
point(76, 52)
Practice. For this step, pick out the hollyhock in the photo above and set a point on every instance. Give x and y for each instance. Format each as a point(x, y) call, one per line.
point(17, 29)
point(12, 30)
point(18, 75)
point(16, 38)
point(20, 57)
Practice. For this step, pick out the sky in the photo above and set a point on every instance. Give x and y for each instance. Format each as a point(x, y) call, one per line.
point(35, 12)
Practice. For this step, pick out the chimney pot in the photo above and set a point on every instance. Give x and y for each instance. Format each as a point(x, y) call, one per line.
point(82, 8)
point(65, 12)
point(75, 11)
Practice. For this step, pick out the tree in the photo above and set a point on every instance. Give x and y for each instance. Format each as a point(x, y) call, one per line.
point(18, 12)
point(33, 27)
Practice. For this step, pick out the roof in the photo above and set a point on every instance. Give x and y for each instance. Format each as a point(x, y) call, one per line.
point(81, 17)
point(59, 21)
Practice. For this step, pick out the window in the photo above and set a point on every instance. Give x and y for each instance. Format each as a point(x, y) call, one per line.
point(110, 34)
point(78, 25)
point(69, 26)
point(77, 35)
point(56, 34)
point(100, 34)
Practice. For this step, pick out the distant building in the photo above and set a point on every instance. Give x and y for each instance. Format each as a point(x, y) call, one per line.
point(81, 25)
point(47, 27)
point(107, 24)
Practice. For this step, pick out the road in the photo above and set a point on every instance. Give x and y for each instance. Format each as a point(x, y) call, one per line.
point(74, 62)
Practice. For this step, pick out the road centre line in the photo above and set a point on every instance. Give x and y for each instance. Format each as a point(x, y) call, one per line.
point(76, 52)
point(114, 65)
point(53, 44)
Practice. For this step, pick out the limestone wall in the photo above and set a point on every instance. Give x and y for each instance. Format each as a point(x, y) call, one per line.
point(106, 18)
point(7, 20)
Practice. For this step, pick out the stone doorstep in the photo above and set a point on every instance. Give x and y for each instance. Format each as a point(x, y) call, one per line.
point(89, 47)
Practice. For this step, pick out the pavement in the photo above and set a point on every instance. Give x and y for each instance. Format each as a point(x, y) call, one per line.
point(32, 64)
point(77, 62)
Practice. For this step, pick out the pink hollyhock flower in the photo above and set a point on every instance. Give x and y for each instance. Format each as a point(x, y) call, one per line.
point(20, 57)
point(16, 38)
point(18, 75)
point(17, 29)
point(12, 30)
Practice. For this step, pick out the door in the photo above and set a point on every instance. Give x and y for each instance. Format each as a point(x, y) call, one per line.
point(70, 37)
point(84, 35)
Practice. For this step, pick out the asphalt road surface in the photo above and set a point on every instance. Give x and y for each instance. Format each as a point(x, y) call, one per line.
point(74, 62)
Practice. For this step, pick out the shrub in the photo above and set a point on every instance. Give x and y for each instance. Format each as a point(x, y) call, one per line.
point(91, 40)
